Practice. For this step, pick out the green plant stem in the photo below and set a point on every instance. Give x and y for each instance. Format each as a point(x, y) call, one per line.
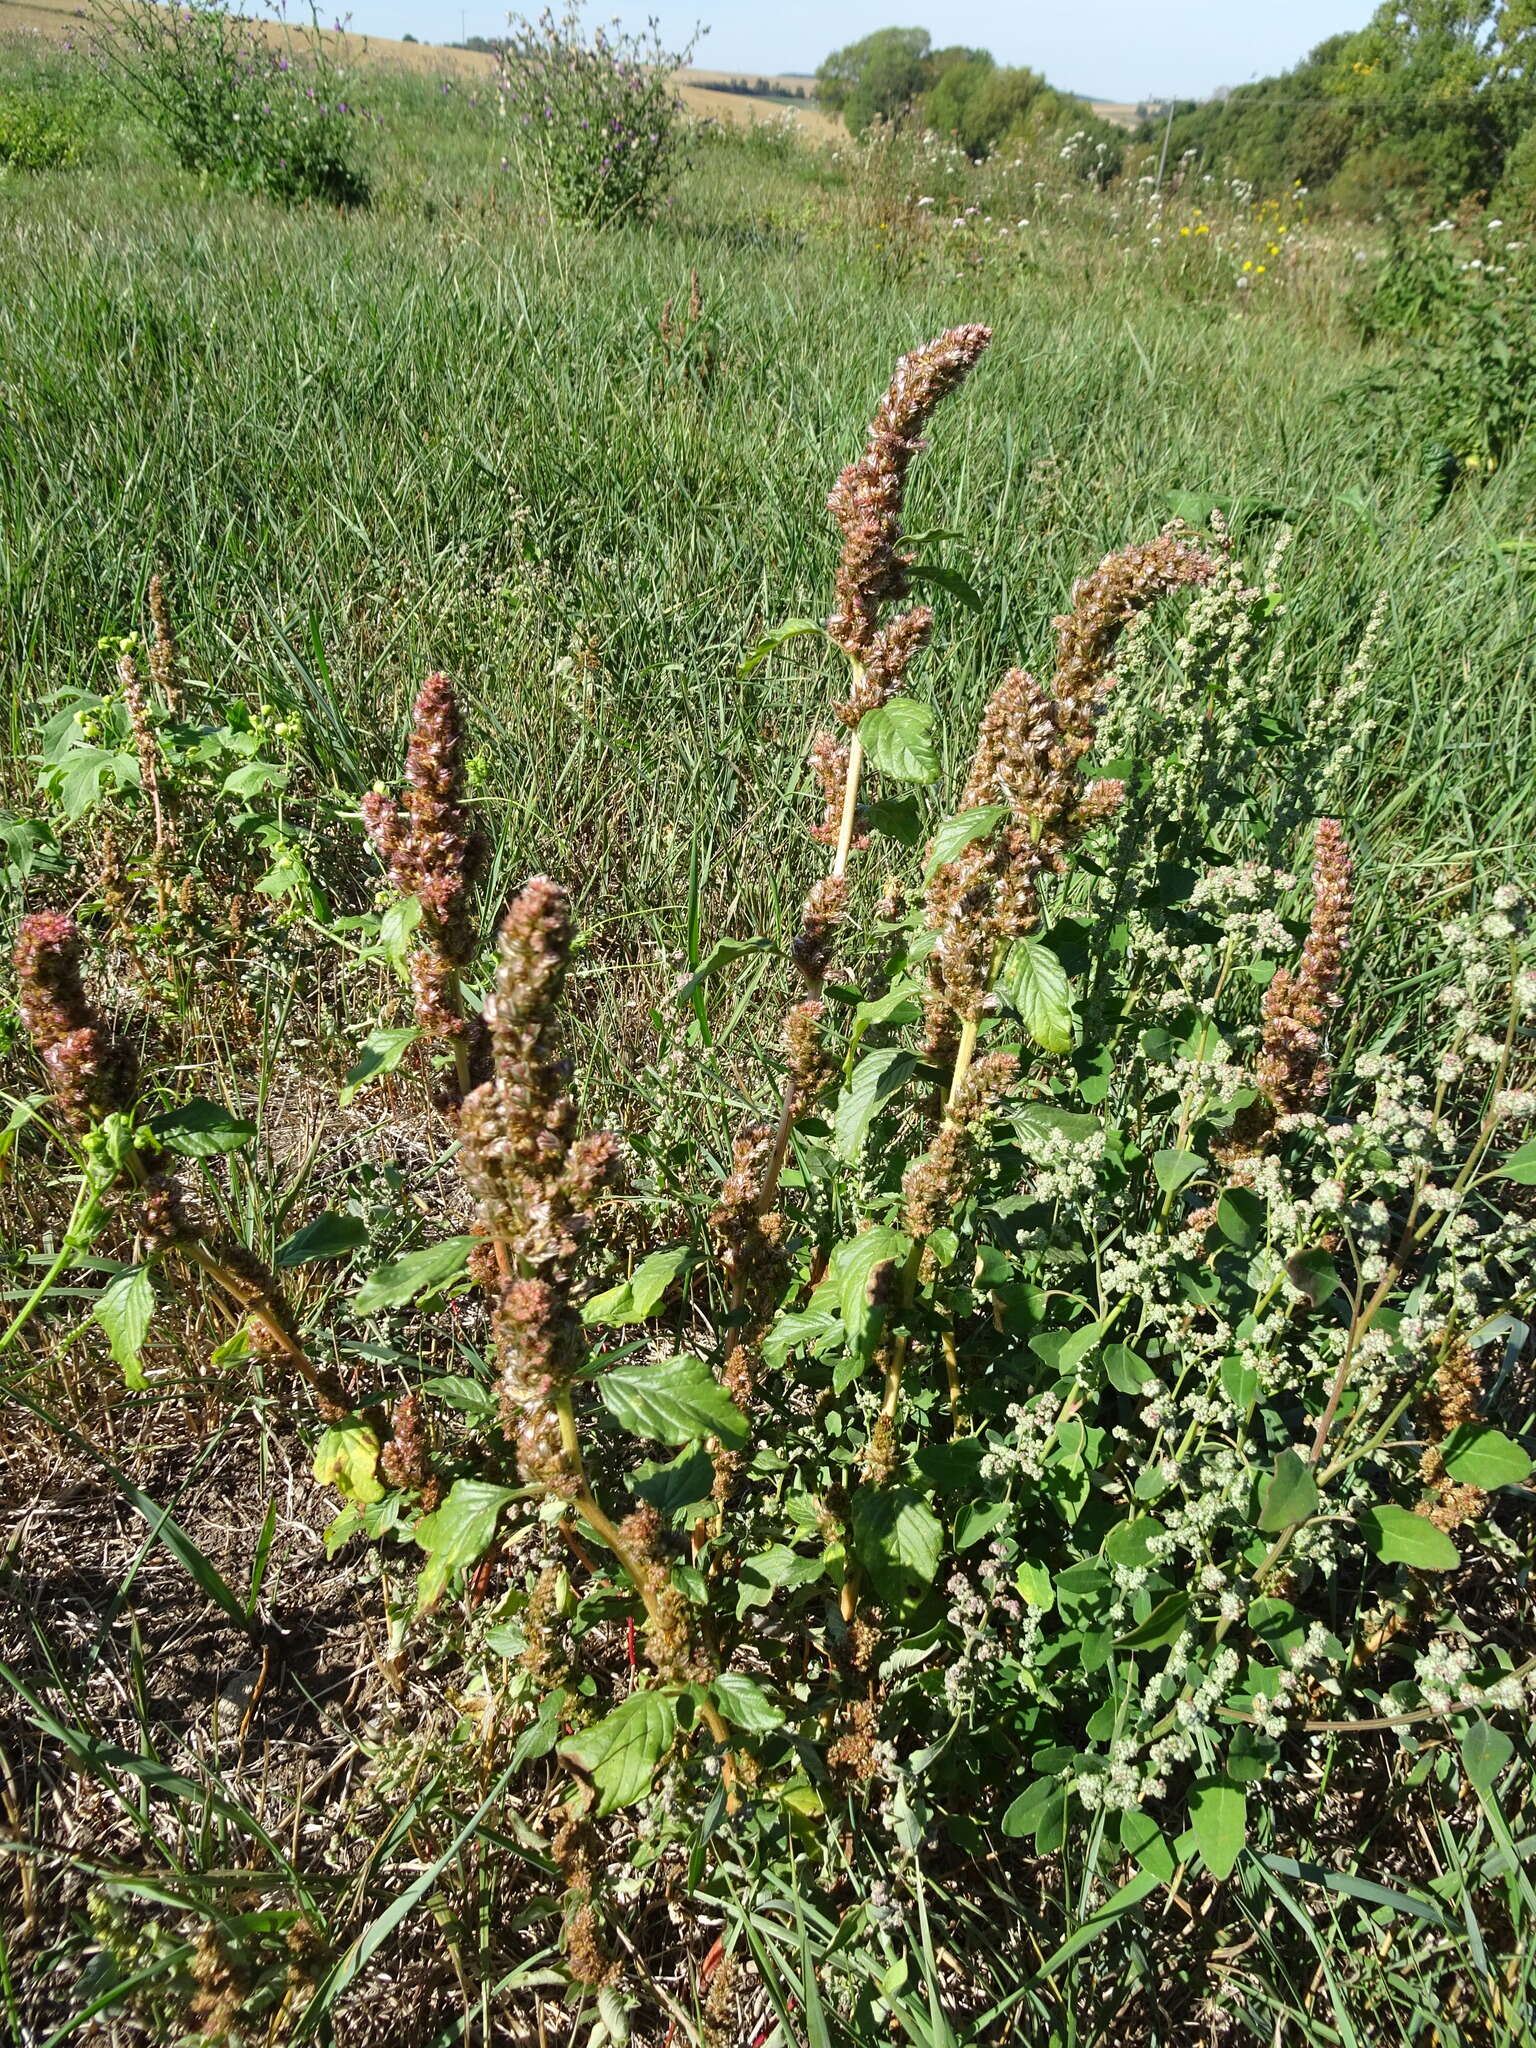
point(67, 1252)
point(585, 1504)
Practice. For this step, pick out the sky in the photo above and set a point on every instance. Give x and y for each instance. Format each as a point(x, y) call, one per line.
point(1107, 49)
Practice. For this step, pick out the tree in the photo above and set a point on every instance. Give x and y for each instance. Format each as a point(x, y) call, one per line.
point(876, 79)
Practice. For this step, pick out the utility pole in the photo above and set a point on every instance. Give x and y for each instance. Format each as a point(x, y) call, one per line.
point(1162, 162)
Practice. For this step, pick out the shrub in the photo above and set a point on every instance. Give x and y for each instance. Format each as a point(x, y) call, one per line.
point(1079, 1388)
point(598, 115)
point(265, 114)
point(34, 137)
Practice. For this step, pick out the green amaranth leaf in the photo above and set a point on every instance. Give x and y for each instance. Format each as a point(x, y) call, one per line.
point(124, 1310)
point(457, 1534)
point(877, 1077)
point(957, 833)
point(201, 1130)
point(1288, 1496)
point(1218, 1813)
point(674, 1401)
point(254, 777)
point(347, 1457)
point(1521, 1166)
point(721, 954)
point(1476, 1455)
point(742, 1701)
point(951, 580)
point(897, 1539)
point(380, 1053)
point(639, 1296)
point(1240, 1217)
point(620, 1753)
point(1397, 1536)
point(332, 1235)
point(399, 1281)
point(1485, 1750)
point(851, 1269)
point(895, 739)
point(1161, 1626)
point(792, 629)
point(1034, 984)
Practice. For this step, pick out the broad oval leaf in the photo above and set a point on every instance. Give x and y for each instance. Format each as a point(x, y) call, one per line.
point(1218, 1813)
point(620, 1753)
point(347, 1457)
point(962, 830)
point(1289, 1494)
point(877, 1077)
point(774, 638)
point(639, 1296)
point(380, 1053)
point(851, 1270)
point(124, 1310)
point(897, 1539)
point(1477, 1455)
point(895, 739)
point(674, 1401)
point(742, 1701)
point(332, 1235)
point(457, 1534)
point(1398, 1536)
point(200, 1129)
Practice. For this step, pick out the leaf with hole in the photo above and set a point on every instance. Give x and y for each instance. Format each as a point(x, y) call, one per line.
point(672, 1401)
point(347, 1457)
point(620, 1753)
point(895, 737)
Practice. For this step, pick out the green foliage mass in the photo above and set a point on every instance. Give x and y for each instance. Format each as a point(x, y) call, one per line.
point(1425, 106)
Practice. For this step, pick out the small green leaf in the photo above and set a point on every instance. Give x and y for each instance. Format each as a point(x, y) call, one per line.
point(1040, 1119)
point(678, 1486)
point(640, 1295)
point(898, 817)
point(1218, 1813)
point(124, 1310)
point(620, 1753)
point(895, 738)
point(721, 954)
point(380, 1053)
point(201, 1130)
point(897, 1539)
point(1034, 984)
point(1521, 1166)
point(1314, 1275)
point(947, 579)
point(1398, 1536)
point(397, 924)
point(674, 1401)
point(1174, 1169)
point(331, 1235)
point(347, 1457)
point(1126, 1372)
point(1485, 1750)
point(1476, 1455)
point(1162, 1625)
point(254, 777)
point(1289, 1495)
point(1034, 1584)
point(876, 1078)
point(901, 1005)
point(957, 833)
point(1129, 1544)
point(457, 1534)
point(742, 1701)
point(792, 629)
point(399, 1281)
